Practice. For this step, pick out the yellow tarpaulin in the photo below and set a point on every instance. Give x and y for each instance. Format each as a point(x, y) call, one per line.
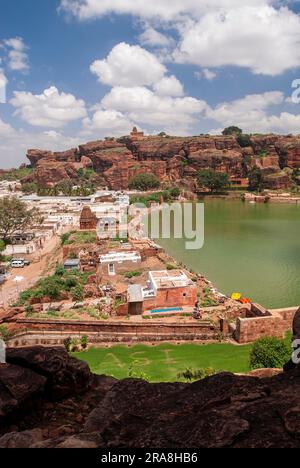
point(236, 296)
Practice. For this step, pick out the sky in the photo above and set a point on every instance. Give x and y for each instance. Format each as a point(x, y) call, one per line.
point(73, 71)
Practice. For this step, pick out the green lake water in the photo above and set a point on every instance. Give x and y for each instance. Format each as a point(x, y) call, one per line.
point(252, 249)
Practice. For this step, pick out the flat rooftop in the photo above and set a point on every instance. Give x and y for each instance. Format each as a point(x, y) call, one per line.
point(166, 279)
point(119, 257)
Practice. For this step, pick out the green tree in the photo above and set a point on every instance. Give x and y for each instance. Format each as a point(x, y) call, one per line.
point(212, 180)
point(255, 179)
point(232, 130)
point(269, 353)
point(16, 216)
point(144, 182)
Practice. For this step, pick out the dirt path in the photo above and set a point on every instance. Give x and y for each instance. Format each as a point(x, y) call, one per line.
point(48, 258)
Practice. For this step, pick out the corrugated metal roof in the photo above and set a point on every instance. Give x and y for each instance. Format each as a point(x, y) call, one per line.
point(135, 293)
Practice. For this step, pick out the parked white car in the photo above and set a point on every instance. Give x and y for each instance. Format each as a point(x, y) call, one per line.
point(17, 264)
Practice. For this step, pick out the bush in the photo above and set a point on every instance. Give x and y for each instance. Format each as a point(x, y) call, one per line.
point(144, 182)
point(67, 344)
point(60, 271)
point(191, 374)
point(77, 294)
point(84, 342)
point(5, 334)
point(71, 282)
point(175, 192)
point(269, 353)
point(132, 274)
point(244, 140)
point(65, 238)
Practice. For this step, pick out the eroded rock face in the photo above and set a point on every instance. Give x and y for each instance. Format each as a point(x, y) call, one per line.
point(96, 412)
point(18, 387)
point(64, 375)
point(172, 159)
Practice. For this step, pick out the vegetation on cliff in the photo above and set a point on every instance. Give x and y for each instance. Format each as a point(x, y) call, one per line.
point(144, 182)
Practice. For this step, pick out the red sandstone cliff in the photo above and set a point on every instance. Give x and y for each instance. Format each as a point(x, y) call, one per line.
point(172, 159)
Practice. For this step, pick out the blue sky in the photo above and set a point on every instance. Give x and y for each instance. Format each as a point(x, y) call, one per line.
point(78, 70)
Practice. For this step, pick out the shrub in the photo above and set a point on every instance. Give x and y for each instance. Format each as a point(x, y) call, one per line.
point(244, 140)
point(71, 282)
point(67, 344)
point(132, 274)
point(60, 271)
point(190, 374)
point(77, 294)
point(74, 345)
point(175, 192)
point(84, 342)
point(51, 289)
point(64, 238)
point(144, 182)
point(134, 374)
point(5, 334)
point(269, 353)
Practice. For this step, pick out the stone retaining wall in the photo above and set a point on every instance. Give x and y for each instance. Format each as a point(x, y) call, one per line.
point(114, 332)
point(277, 324)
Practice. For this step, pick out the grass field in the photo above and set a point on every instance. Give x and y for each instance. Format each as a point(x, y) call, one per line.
point(162, 363)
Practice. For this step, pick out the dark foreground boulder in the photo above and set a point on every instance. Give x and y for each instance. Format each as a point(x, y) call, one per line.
point(48, 399)
point(64, 375)
point(296, 337)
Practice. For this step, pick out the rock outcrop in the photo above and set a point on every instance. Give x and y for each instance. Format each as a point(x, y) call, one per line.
point(48, 399)
point(172, 159)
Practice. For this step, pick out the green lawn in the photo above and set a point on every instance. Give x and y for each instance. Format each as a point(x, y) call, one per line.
point(162, 363)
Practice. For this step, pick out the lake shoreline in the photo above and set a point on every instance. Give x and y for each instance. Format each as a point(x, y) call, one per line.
point(270, 218)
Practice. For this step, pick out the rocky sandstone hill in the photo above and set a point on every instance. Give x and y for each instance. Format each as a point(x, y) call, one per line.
point(172, 159)
point(48, 399)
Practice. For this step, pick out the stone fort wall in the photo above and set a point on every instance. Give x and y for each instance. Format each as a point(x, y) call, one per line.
point(277, 324)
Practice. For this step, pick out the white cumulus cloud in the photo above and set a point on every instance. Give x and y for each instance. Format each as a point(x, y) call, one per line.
point(260, 35)
point(264, 39)
point(49, 109)
point(107, 123)
point(145, 107)
point(256, 114)
point(169, 86)
point(128, 65)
